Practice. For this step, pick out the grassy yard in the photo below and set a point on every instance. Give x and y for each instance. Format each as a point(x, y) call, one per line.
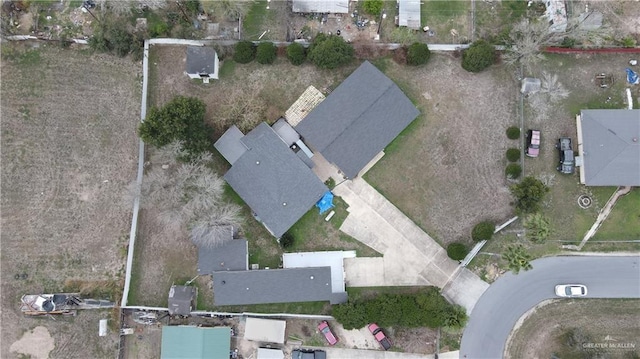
point(445, 16)
point(563, 326)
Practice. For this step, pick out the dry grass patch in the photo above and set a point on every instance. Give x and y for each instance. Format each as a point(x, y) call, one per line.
point(69, 149)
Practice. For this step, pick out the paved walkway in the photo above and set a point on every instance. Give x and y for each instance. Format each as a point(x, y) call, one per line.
point(379, 354)
point(410, 256)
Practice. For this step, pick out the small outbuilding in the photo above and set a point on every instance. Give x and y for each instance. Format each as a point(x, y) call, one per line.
point(182, 299)
point(265, 330)
point(202, 63)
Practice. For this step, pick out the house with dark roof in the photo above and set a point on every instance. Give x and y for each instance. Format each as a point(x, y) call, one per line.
point(202, 63)
point(275, 286)
point(320, 6)
point(190, 342)
point(609, 147)
point(182, 299)
point(409, 14)
point(229, 253)
point(357, 120)
point(270, 175)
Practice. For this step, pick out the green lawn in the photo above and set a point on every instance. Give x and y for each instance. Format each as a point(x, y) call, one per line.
point(624, 221)
point(252, 26)
point(444, 16)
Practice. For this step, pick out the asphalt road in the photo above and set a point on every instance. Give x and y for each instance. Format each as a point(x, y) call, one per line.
point(511, 296)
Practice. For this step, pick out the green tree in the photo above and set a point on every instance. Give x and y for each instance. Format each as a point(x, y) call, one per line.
point(513, 154)
point(513, 133)
point(538, 227)
point(478, 56)
point(266, 53)
point(244, 52)
point(517, 258)
point(329, 52)
point(373, 7)
point(296, 53)
point(181, 119)
point(287, 240)
point(529, 193)
point(483, 231)
point(457, 251)
point(513, 170)
point(418, 54)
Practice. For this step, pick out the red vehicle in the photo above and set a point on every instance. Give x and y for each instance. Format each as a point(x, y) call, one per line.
point(324, 328)
point(533, 143)
point(380, 336)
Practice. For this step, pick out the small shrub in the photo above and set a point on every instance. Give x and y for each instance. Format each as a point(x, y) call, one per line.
point(513, 170)
point(513, 133)
point(287, 240)
point(330, 52)
point(483, 231)
point(266, 53)
point(418, 54)
point(513, 154)
point(628, 42)
point(529, 193)
point(568, 42)
point(478, 56)
point(244, 52)
point(457, 251)
point(296, 54)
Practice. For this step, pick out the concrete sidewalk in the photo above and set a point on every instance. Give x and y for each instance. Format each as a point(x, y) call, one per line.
point(378, 354)
point(410, 256)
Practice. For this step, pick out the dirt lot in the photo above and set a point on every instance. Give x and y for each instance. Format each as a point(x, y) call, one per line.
point(597, 321)
point(446, 171)
point(69, 149)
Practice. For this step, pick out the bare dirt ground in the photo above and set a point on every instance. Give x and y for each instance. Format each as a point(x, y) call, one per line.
point(68, 152)
point(597, 320)
point(447, 171)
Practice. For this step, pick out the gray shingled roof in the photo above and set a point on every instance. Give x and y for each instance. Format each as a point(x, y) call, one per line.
point(180, 299)
point(409, 13)
point(358, 119)
point(321, 6)
point(231, 256)
point(274, 286)
point(611, 147)
point(201, 60)
point(278, 187)
point(230, 145)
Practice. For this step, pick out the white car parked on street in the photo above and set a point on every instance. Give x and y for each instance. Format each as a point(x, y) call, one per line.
point(571, 290)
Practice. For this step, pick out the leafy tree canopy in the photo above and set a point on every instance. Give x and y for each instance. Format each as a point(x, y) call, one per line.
point(528, 194)
point(418, 54)
point(329, 52)
point(296, 53)
point(478, 56)
point(181, 119)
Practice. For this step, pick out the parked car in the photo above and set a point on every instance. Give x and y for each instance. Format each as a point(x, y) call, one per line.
point(324, 328)
point(567, 161)
point(380, 336)
point(308, 354)
point(571, 290)
point(533, 143)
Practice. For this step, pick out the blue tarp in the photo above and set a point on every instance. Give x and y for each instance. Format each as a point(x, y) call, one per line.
point(326, 202)
point(632, 77)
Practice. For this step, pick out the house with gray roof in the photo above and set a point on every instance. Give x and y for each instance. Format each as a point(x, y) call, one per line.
point(225, 254)
point(357, 120)
point(270, 176)
point(202, 63)
point(182, 299)
point(275, 286)
point(409, 14)
point(609, 147)
point(320, 6)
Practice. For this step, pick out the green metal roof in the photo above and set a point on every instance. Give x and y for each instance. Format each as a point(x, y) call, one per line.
point(189, 342)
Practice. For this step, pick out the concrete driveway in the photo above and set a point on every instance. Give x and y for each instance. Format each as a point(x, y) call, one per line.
point(410, 256)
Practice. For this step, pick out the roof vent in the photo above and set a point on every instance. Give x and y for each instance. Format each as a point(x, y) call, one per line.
point(311, 277)
point(257, 162)
point(284, 203)
point(635, 139)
